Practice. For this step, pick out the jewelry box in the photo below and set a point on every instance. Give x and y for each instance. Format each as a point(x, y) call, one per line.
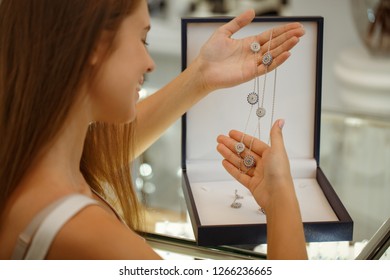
point(210, 191)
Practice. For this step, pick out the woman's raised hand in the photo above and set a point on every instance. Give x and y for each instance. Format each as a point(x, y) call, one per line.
point(225, 62)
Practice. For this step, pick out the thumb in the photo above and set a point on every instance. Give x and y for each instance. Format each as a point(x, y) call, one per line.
point(277, 135)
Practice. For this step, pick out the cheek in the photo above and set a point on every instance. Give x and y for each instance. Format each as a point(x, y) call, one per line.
point(114, 92)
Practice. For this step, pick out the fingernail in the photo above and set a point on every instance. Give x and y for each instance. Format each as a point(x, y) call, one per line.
point(281, 123)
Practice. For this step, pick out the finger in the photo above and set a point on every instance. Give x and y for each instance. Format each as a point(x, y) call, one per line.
point(283, 47)
point(229, 155)
point(230, 143)
point(283, 33)
point(277, 135)
point(279, 55)
point(237, 23)
point(280, 59)
point(236, 173)
point(258, 146)
point(280, 40)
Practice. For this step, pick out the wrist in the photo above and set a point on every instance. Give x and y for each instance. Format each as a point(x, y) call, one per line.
point(280, 194)
point(197, 70)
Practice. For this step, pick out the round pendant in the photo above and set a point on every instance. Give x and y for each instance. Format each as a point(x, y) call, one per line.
point(249, 161)
point(267, 59)
point(260, 112)
point(255, 47)
point(236, 205)
point(252, 98)
point(240, 147)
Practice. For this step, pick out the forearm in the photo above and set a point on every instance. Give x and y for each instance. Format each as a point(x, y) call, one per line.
point(285, 235)
point(159, 111)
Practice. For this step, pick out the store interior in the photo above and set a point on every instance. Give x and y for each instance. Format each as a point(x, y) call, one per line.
point(355, 120)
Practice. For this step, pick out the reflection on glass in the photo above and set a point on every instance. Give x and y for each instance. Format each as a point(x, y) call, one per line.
point(386, 255)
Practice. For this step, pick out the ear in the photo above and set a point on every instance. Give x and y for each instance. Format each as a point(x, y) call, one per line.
point(94, 59)
point(99, 50)
point(96, 55)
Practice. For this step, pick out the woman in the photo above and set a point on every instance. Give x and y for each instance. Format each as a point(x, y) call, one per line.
point(70, 72)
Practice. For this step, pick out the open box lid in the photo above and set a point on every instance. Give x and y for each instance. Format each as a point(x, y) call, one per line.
point(297, 100)
point(297, 95)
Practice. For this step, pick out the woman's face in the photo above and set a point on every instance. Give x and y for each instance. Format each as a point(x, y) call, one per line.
point(114, 92)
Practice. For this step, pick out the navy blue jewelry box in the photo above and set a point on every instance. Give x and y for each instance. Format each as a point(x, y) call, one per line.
point(209, 190)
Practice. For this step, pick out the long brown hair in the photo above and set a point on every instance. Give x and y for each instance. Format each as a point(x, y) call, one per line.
point(45, 46)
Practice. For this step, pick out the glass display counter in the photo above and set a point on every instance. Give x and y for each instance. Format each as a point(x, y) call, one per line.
point(355, 155)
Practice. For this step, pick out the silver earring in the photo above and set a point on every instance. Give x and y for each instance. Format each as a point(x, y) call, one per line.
point(237, 196)
point(236, 204)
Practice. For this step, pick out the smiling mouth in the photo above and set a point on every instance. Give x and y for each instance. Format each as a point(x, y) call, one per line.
point(141, 81)
point(140, 84)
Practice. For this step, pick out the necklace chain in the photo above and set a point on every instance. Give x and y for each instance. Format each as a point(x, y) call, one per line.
point(254, 98)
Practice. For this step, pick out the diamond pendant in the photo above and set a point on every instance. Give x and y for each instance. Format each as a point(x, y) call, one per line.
point(267, 59)
point(260, 112)
point(240, 147)
point(252, 98)
point(255, 47)
point(249, 161)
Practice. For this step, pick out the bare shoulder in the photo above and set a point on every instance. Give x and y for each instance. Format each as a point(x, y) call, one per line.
point(95, 234)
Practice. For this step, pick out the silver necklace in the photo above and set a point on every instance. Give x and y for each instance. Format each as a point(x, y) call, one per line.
point(261, 111)
point(253, 98)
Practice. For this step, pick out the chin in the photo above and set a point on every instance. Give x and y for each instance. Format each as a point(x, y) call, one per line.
point(131, 118)
point(118, 114)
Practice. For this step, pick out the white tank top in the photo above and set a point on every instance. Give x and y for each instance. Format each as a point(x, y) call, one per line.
point(34, 242)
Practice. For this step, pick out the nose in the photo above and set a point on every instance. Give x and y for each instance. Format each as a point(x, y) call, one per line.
point(151, 65)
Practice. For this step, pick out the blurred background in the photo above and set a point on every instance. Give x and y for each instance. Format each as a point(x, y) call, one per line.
point(355, 132)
